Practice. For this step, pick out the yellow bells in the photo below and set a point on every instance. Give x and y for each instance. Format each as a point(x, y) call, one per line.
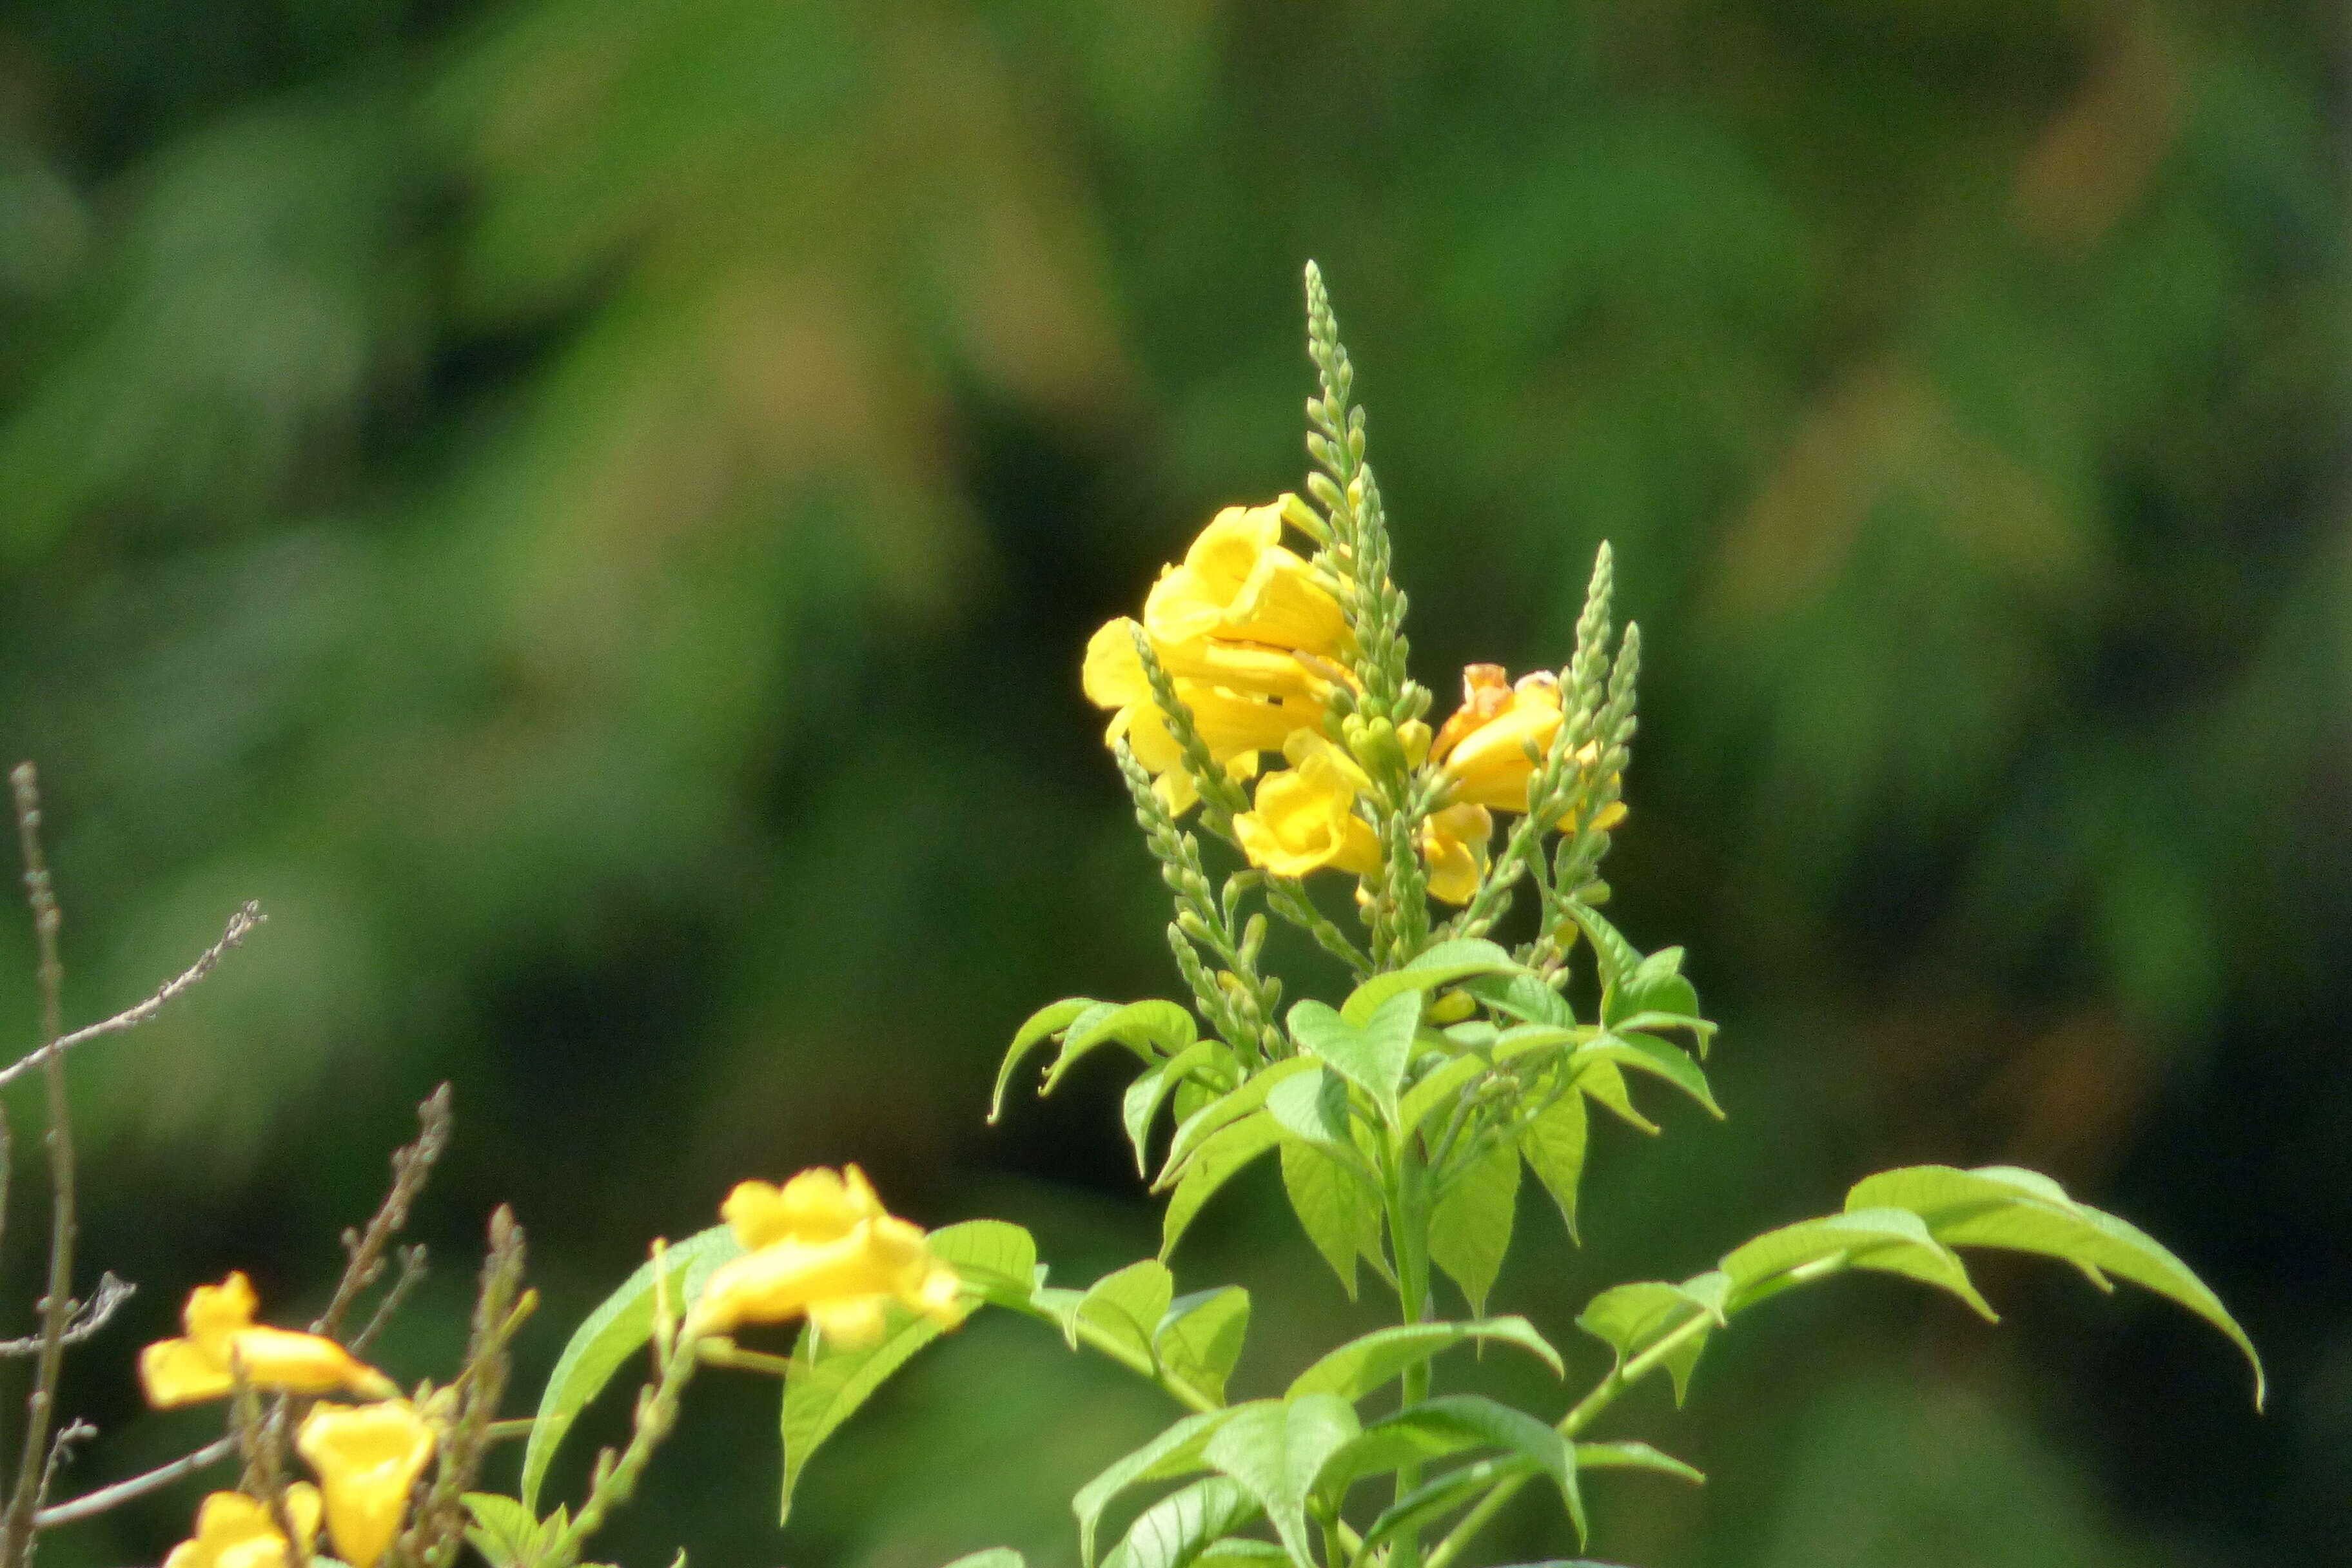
point(1114, 677)
point(221, 1331)
point(1484, 749)
point(1455, 842)
point(822, 1246)
point(1305, 818)
point(1238, 583)
point(1225, 686)
point(234, 1530)
point(368, 1457)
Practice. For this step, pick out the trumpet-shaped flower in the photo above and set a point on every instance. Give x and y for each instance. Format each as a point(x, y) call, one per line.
point(1305, 818)
point(1236, 729)
point(1240, 584)
point(234, 1530)
point(1493, 745)
point(368, 1457)
point(1455, 840)
point(822, 1246)
point(222, 1335)
point(1114, 677)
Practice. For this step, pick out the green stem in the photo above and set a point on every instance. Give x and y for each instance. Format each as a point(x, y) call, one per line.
point(656, 1414)
point(1173, 1385)
point(1408, 1233)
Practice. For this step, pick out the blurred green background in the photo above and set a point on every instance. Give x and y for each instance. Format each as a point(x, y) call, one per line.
point(589, 510)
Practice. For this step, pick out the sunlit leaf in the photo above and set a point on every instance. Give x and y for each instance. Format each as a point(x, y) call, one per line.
point(1553, 1143)
point(1045, 1023)
point(1434, 1498)
point(1470, 1228)
point(1599, 1077)
point(1276, 1451)
point(1366, 1364)
point(1181, 1527)
point(1632, 1455)
point(1647, 1053)
point(1890, 1240)
point(1216, 1162)
point(1151, 1030)
point(1436, 1429)
point(1373, 1055)
point(1340, 1213)
point(1442, 965)
point(1140, 1106)
point(1128, 1305)
point(1221, 1112)
point(1437, 1088)
point(503, 1530)
point(1200, 1337)
point(1175, 1452)
point(1631, 1319)
point(990, 1557)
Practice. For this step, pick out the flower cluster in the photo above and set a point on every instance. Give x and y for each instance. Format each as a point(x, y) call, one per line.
point(367, 1457)
point(823, 1247)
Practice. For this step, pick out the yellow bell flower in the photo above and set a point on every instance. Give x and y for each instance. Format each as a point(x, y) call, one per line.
point(1304, 818)
point(1482, 748)
point(221, 1331)
point(1455, 842)
point(823, 1247)
point(1113, 673)
point(368, 1457)
point(234, 1530)
point(1240, 584)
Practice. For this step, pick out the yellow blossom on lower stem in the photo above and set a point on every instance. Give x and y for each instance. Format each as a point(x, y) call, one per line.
point(1305, 817)
point(234, 1530)
point(1484, 749)
point(1455, 842)
point(1234, 728)
point(1113, 673)
point(368, 1457)
point(221, 1333)
point(842, 1283)
point(1238, 582)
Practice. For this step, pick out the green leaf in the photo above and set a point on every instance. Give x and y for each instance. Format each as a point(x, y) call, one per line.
point(1373, 1056)
point(1242, 1549)
point(1631, 1319)
point(1173, 1453)
point(1442, 965)
point(1128, 1304)
point(503, 1530)
point(1150, 1029)
point(1141, 1105)
point(1361, 1365)
point(2023, 1211)
point(1890, 1240)
point(1599, 1078)
point(1437, 1089)
point(622, 1324)
point(1275, 1452)
point(1470, 1228)
point(997, 1260)
point(1631, 1456)
point(1651, 1055)
point(1222, 1112)
point(1340, 1215)
point(1180, 1528)
point(1554, 1146)
point(1433, 1499)
point(1200, 1337)
point(1045, 1022)
point(1438, 1427)
point(990, 1557)
point(1313, 1109)
point(1212, 1166)
point(1654, 986)
point(1524, 997)
point(1617, 958)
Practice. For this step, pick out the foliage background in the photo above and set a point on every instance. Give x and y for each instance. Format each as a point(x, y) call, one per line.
point(589, 510)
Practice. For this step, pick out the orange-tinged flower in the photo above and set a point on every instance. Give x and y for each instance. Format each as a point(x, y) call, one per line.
point(221, 1332)
point(822, 1246)
point(1484, 748)
point(234, 1530)
point(1304, 818)
point(1455, 842)
point(1240, 584)
point(368, 1457)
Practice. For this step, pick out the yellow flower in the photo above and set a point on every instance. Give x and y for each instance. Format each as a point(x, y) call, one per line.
point(1455, 840)
point(1114, 677)
point(234, 1530)
point(221, 1331)
point(1238, 583)
point(368, 1457)
point(1306, 816)
point(1482, 748)
point(1235, 730)
point(822, 1245)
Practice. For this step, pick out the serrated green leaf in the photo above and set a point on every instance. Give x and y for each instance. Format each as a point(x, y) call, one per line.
point(2023, 1211)
point(824, 1388)
point(1140, 1106)
point(1338, 1214)
point(1442, 965)
point(990, 1557)
point(1436, 1429)
point(1433, 1499)
point(1631, 1319)
point(621, 1325)
point(1373, 1055)
point(1523, 997)
point(1173, 1453)
point(1364, 1365)
point(1151, 1029)
point(1437, 1089)
point(1222, 1111)
point(503, 1530)
point(1200, 1337)
point(1521, 1041)
point(1180, 1528)
point(1598, 1078)
point(1554, 1144)
point(1616, 957)
point(1655, 984)
point(1313, 1107)
point(1470, 1228)
point(1647, 1053)
point(1128, 1304)
point(1889, 1240)
point(1275, 1452)
point(1046, 1021)
point(1631, 1456)
point(1213, 1165)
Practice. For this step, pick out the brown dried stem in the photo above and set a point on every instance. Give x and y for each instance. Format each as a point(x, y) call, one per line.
point(410, 1167)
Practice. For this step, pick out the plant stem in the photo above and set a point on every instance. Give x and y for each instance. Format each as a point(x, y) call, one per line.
point(1408, 1232)
point(656, 1413)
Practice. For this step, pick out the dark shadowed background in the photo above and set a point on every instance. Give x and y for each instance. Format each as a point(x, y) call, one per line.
point(589, 511)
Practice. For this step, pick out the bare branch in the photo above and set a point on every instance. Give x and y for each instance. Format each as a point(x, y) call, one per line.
point(240, 926)
point(91, 1504)
point(411, 1275)
point(88, 1317)
point(60, 1456)
point(410, 1166)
